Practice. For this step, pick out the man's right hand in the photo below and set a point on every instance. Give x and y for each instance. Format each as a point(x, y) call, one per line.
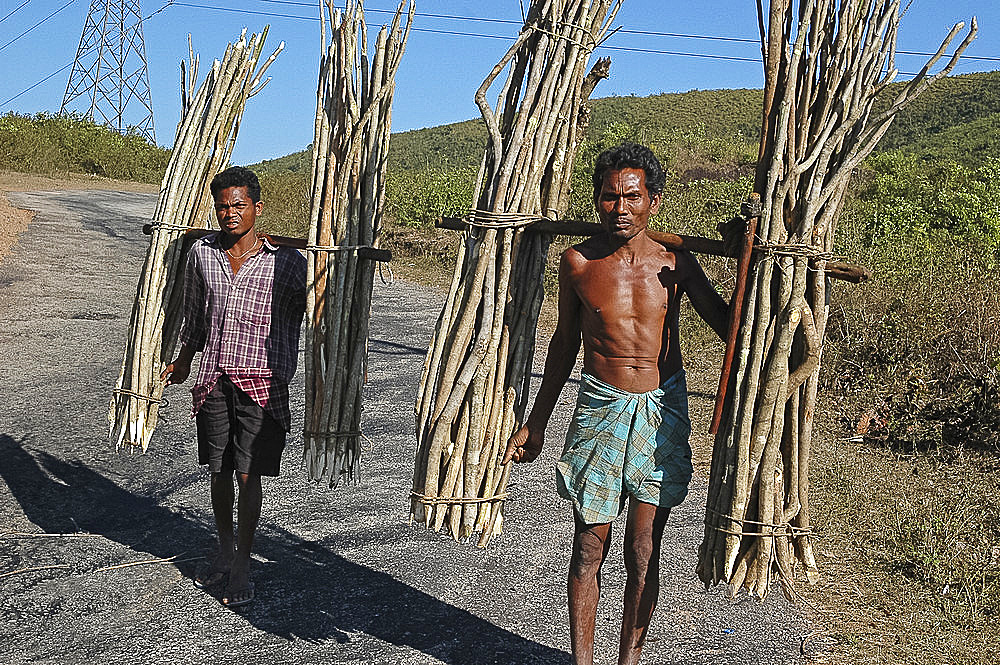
point(176, 372)
point(524, 446)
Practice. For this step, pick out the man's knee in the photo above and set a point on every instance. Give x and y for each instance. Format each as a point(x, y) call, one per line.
point(641, 555)
point(589, 549)
point(642, 538)
point(221, 480)
point(247, 480)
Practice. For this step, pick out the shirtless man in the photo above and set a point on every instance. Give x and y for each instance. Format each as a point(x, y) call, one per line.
point(619, 292)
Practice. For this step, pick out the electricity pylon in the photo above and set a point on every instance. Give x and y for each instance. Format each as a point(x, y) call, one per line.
point(110, 68)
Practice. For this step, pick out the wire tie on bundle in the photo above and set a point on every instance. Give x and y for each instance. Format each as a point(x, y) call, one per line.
point(331, 435)
point(586, 47)
point(794, 250)
point(488, 219)
point(155, 226)
point(782, 529)
point(337, 248)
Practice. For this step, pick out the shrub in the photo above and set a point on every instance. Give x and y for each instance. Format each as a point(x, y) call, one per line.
point(46, 143)
point(286, 203)
point(416, 198)
point(919, 347)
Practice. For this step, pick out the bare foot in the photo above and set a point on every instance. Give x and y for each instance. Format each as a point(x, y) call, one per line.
point(216, 572)
point(239, 591)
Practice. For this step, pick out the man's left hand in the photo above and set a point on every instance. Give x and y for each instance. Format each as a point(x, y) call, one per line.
point(733, 235)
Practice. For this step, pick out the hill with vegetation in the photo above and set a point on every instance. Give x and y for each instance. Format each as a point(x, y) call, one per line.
point(957, 118)
point(46, 143)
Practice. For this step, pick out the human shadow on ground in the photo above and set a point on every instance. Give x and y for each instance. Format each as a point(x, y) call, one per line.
point(307, 590)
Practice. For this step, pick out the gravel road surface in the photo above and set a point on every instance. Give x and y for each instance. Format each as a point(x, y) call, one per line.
point(341, 577)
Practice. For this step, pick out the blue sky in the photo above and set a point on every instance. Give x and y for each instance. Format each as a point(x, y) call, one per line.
point(675, 46)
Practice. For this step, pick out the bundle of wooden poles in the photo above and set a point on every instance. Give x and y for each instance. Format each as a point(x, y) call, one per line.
point(474, 385)
point(353, 119)
point(825, 62)
point(210, 120)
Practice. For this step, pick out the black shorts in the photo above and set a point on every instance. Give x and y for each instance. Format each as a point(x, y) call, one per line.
point(236, 434)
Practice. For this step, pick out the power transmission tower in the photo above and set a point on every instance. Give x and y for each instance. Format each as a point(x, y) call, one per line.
point(110, 68)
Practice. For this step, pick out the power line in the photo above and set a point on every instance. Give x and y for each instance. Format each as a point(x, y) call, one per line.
point(68, 3)
point(709, 56)
point(11, 12)
point(58, 71)
point(626, 31)
point(244, 11)
point(457, 33)
point(984, 58)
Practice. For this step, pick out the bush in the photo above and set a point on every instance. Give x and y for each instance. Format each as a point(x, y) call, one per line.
point(46, 143)
point(286, 203)
point(919, 347)
point(416, 198)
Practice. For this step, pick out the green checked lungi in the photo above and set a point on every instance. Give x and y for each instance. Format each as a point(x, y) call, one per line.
point(621, 443)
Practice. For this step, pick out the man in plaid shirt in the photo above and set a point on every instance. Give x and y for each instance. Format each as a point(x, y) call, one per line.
point(619, 293)
point(243, 304)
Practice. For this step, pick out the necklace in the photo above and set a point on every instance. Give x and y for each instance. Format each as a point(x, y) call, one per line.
point(240, 256)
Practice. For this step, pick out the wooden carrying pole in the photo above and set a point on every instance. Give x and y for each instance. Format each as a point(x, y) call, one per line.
point(371, 253)
point(847, 272)
point(825, 63)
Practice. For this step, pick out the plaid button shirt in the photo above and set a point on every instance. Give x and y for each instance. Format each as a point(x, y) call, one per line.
point(246, 325)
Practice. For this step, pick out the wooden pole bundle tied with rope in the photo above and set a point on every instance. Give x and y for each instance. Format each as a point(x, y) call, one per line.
point(474, 385)
point(351, 142)
point(206, 133)
point(825, 63)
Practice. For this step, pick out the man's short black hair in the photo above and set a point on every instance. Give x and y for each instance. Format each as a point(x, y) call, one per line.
point(236, 176)
point(630, 156)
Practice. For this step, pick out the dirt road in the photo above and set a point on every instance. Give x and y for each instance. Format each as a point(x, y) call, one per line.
point(340, 575)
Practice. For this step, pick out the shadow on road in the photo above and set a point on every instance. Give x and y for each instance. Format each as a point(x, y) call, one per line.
point(307, 591)
point(386, 348)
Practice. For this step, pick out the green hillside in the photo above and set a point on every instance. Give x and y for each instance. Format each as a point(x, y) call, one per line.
point(958, 118)
point(446, 146)
point(722, 114)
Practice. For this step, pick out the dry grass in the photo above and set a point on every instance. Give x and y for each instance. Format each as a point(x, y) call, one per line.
point(908, 546)
point(12, 222)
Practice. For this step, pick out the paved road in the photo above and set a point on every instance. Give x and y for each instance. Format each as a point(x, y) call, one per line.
point(341, 577)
